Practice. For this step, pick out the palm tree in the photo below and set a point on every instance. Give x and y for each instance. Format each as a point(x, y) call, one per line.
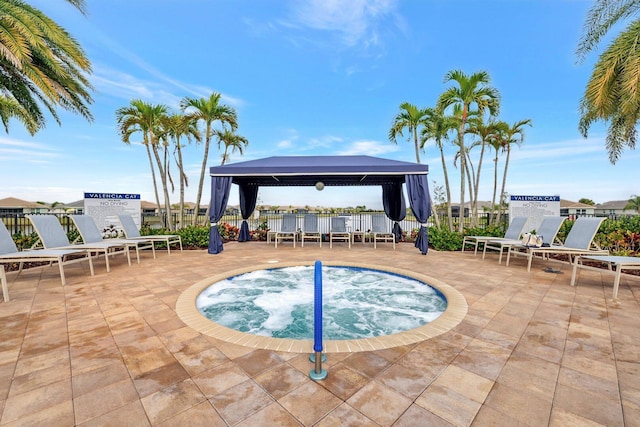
point(612, 93)
point(177, 126)
point(473, 90)
point(497, 142)
point(41, 66)
point(513, 134)
point(145, 118)
point(437, 127)
point(208, 110)
point(410, 117)
point(232, 140)
point(634, 203)
point(486, 132)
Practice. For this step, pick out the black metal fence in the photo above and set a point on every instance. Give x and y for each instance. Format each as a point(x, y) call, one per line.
point(357, 221)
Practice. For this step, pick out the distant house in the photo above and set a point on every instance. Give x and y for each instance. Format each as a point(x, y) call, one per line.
point(13, 206)
point(483, 209)
point(73, 208)
point(148, 208)
point(576, 209)
point(614, 209)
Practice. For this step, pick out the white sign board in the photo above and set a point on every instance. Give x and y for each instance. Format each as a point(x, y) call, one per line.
point(534, 207)
point(104, 208)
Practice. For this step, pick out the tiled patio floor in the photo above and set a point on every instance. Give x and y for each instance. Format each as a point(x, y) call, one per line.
point(111, 350)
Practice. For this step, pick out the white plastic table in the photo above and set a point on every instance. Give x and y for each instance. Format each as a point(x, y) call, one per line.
point(615, 263)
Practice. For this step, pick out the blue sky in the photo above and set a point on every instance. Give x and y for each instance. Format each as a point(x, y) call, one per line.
point(321, 77)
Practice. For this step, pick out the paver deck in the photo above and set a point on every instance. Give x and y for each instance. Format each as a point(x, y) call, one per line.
point(111, 350)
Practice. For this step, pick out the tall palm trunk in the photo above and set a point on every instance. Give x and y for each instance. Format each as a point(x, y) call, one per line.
point(153, 176)
point(477, 183)
point(446, 185)
point(472, 195)
point(504, 183)
point(205, 157)
point(495, 188)
point(415, 141)
point(165, 187)
point(469, 175)
point(183, 178)
point(462, 177)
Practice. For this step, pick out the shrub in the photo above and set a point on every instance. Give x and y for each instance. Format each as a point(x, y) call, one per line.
point(260, 233)
point(25, 242)
point(228, 232)
point(443, 239)
point(194, 236)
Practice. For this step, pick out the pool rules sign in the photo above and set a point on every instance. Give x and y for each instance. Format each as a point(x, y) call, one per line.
point(104, 208)
point(534, 207)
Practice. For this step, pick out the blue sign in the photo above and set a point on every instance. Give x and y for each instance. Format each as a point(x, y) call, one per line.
point(111, 196)
point(536, 198)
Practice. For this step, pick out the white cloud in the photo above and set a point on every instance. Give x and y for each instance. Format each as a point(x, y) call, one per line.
point(24, 151)
point(356, 22)
point(369, 148)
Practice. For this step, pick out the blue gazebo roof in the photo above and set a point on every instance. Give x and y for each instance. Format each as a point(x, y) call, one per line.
point(307, 170)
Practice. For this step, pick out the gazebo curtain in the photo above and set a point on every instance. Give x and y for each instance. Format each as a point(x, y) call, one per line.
point(220, 189)
point(248, 199)
point(418, 192)
point(394, 206)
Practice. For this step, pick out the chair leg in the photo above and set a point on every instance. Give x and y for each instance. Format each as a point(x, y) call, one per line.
point(574, 272)
point(616, 282)
point(5, 288)
point(61, 268)
point(106, 259)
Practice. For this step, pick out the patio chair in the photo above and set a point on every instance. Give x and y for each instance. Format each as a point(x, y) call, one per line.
point(380, 231)
point(338, 231)
point(9, 253)
point(515, 229)
point(52, 236)
point(615, 265)
point(289, 229)
point(90, 233)
point(548, 230)
point(579, 241)
point(131, 232)
point(310, 229)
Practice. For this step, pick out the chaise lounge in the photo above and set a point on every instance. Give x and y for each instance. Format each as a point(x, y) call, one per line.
point(52, 236)
point(131, 232)
point(9, 253)
point(514, 231)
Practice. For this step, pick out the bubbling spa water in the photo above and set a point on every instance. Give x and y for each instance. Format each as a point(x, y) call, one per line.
point(357, 303)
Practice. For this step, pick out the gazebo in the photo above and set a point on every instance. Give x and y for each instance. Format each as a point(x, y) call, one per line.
point(321, 171)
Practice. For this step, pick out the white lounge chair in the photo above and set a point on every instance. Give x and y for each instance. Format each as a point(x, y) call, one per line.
point(338, 231)
point(90, 233)
point(131, 232)
point(514, 231)
point(380, 231)
point(548, 230)
point(615, 265)
point(288, 230)
point(310, 229)
point(52, 236)
point(9, 253)
point(579, 241)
